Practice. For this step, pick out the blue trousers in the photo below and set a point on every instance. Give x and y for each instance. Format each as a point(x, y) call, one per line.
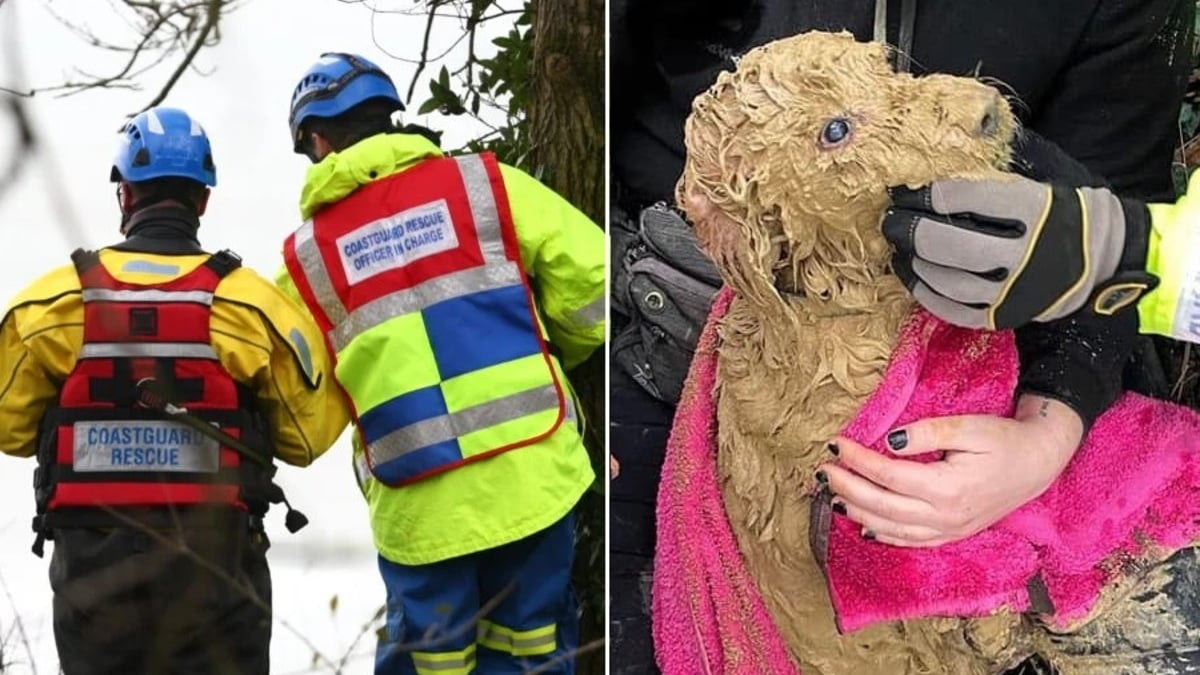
point(504, 610)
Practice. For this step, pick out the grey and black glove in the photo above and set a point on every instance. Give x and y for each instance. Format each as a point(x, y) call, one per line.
point(1000, 253)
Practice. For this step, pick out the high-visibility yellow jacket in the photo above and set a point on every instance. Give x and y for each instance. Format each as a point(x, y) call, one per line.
point(260, 337)
point(1173, 308)
point(491, 502)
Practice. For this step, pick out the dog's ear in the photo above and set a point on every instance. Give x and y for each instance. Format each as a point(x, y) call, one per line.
point(743, 250)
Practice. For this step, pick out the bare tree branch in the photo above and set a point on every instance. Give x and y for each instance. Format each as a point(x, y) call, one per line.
point(181, 547)
point(212, 17)
point(20, 625)
point(26, 141)
point(164, 30)
point(424, 51)
point(567, 656)
point(26, 138)
point(366, 627)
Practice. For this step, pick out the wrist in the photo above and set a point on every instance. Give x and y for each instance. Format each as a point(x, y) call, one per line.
point(1056, 425)
point(1137, 236)
point(1077, 360)
point(1126, 281)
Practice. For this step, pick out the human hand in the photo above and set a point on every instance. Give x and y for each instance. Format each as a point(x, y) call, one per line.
point(990, 467)
point(614, 468)
point(1002, 253)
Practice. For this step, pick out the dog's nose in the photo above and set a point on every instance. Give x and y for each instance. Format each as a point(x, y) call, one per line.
point(989, 123)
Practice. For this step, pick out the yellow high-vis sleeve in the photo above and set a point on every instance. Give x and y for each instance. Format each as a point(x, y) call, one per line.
point(454, 513)
point(263, 340)
point(291, 370)
point(1173, 255)
point(564, 252)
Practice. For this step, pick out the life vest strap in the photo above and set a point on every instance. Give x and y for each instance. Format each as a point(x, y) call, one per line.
point(223, 262)
point(84, 260)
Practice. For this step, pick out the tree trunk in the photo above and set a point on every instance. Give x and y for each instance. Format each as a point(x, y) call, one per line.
point(566, 125)
point(566, 115)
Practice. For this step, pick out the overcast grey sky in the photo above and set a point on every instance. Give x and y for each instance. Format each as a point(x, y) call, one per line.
point(242, 103)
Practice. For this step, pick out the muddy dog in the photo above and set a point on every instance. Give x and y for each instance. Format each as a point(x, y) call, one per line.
point(795, 152)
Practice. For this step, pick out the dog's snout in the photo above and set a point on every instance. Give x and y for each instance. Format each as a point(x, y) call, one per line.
point(989, 122)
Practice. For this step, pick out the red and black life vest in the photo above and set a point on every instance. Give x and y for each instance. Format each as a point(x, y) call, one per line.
point(103, 459)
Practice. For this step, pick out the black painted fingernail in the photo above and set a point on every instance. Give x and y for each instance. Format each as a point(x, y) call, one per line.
point(833, 449)
point(822, 478)
point(868, 535)
point(839, 508)
point(898, 439)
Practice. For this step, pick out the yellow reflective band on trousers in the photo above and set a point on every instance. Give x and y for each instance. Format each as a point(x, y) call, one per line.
point(535, 642)
point(461, 662)
point(451, 369)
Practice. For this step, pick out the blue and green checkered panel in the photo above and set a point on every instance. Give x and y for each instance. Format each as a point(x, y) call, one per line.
point(468, 334)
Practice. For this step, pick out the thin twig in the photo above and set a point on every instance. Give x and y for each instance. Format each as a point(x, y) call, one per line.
point(432, 640)
point(182, 547)
point(27, 140)
point(165, 29)
point(567, 656)
point(213, 16)
point(1181, 383)
point(17, 615)
point(366, 627)
point(424, 51)
point(471, 624)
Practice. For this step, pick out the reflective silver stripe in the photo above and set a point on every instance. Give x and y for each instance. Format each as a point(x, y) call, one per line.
point(434, 661)
point(318, 277)
point(498, 637)
point(446, 287)
point(483, 207)
point(135, 350)
point(496, 272)
point(591, 314)
point(447, 427)
point(105, 295)
point(570, 414)
point(424, 666)
point(520, 644)
point(362, 472)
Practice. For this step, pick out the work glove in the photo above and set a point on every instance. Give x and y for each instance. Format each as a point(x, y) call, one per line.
point(998, 254)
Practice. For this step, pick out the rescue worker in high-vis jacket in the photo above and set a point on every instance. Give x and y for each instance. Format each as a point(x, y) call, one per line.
point(1002, 253)
point(155, 383)
point(454, 293)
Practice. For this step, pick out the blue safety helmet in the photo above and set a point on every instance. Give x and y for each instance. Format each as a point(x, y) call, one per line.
point(164, 142)
point(334, 84)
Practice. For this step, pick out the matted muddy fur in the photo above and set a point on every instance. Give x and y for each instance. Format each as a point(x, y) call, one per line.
point(816, 311)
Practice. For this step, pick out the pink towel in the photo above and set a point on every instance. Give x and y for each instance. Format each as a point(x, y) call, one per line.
point(1129, 496)
point(708, 615)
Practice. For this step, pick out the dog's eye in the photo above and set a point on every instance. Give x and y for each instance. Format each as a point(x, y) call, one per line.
point(836, 132)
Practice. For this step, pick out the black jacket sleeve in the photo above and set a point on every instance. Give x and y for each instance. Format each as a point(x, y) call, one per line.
point(1077, 360)
point(1114, 108)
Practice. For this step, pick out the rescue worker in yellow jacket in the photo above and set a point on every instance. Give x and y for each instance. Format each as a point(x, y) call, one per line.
point(155, 383)
point(1001, 253)
point(454, 293)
